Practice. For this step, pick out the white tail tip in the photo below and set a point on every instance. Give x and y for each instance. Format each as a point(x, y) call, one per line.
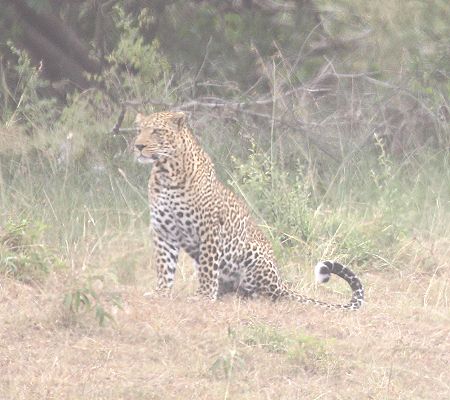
point(322, 272)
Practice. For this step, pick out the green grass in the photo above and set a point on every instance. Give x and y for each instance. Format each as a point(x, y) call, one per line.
point(78, 235)
point(362, 212)
point(299, 349)
point(87, 222)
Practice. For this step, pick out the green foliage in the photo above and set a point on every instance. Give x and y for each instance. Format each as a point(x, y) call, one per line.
point(87, 299)
point(234, 41)
point(133, 54)
point(23, 255)
point(407, 39)
point(281, 197)
point(75, 133)
point(284, 202)
point(24, 102)
point(360, 214)
point(300, 349)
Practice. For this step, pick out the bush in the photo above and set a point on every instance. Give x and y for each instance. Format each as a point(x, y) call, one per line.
point(23, 255)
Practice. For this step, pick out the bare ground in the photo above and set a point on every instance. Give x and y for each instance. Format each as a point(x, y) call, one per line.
point(396, 347)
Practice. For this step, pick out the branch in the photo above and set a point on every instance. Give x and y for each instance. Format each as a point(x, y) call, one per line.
point(269, 7)
point(326, 45)
point(240, 107)
point(216, 102)
point(116, 129)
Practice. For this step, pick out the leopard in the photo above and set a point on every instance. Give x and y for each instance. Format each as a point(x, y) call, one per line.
point(192, 210)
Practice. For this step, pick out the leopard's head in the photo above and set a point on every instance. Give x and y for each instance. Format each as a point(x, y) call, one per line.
point(159, 135)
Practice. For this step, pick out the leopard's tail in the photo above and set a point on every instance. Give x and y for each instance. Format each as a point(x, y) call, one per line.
point(323, 271)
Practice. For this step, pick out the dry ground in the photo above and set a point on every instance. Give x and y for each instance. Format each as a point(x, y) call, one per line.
point(396, 347)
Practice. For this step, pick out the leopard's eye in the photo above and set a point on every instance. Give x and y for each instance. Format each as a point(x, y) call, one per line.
point(159, 133)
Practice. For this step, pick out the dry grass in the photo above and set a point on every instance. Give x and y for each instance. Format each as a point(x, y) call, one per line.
point(397, 347)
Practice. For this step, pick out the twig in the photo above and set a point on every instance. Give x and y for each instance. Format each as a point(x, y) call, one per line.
point(300, 53)
point(295, 126)
point(125, 130)
point(406, 91)
point(115, 130)
point(200, 70)
point(241, 107)
point(132, 103)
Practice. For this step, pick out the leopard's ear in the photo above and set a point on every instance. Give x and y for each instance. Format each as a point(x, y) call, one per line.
point(179, 118)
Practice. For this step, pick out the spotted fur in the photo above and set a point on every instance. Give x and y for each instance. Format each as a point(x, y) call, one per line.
point(192, 210)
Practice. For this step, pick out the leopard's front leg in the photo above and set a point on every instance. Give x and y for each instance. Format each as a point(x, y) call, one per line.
point(208, 266)
point(166, 257)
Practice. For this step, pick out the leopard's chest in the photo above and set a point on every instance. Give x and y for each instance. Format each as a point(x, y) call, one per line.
point(174, 216)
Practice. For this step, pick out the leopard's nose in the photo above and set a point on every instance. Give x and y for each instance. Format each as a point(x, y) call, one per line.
point(139, 146)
